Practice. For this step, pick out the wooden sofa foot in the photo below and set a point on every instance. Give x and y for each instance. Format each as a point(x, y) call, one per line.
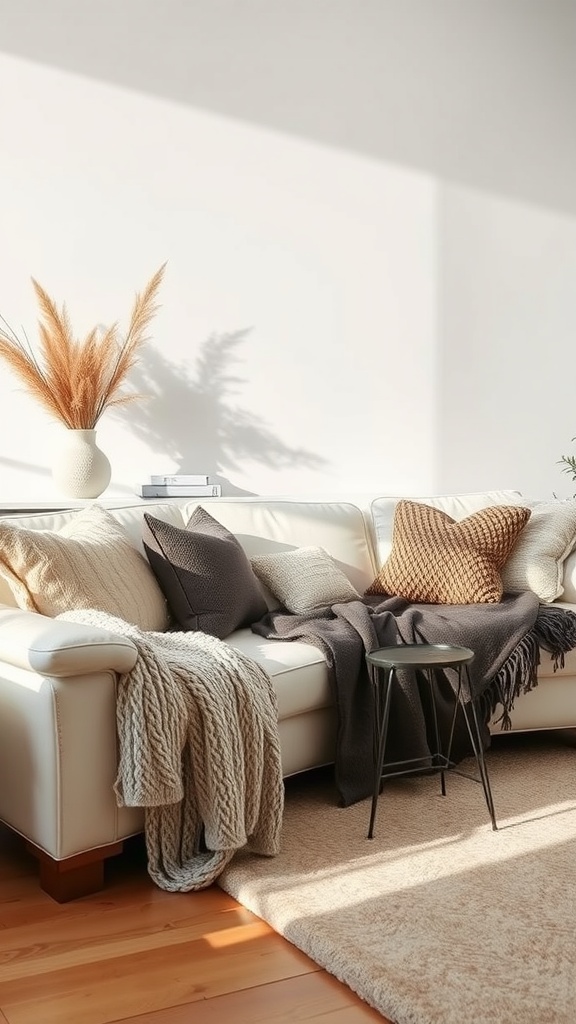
point(73, 877)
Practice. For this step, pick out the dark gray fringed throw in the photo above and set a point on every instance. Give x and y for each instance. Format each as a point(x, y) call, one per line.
point(506, 639)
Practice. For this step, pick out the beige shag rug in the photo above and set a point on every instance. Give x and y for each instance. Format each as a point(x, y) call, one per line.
point(438, 919)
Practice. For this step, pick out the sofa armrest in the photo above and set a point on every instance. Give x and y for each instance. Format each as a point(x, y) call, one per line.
point(569, 579)
point(55, 647)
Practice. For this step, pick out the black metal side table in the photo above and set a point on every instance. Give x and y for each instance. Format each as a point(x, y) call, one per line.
point(383, 665)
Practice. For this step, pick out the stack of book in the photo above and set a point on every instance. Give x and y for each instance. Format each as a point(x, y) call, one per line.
point(179, 485)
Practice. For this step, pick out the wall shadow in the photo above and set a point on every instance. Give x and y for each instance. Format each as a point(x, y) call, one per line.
point(29, 467)
point(189, 414)
point(371, 84)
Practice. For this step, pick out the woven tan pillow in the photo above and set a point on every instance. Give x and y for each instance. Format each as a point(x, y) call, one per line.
point(89, 563)
point(437, 560)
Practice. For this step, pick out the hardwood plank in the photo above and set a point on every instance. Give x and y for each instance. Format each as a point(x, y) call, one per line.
point(130, 985)
point(310, 997)
point(139, 949)
point(88, 930)
point(134, 953)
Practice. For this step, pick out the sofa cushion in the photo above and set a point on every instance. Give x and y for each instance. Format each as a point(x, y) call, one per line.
point(537, 560)
point(304, 578)
point(437, 560)
point(88, 563)
point(204, 573)
point(297, 669)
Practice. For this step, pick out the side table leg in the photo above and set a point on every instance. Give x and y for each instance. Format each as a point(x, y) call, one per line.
point(437, 756)
point(381, 716)
point(457, 701)
point(476, 740)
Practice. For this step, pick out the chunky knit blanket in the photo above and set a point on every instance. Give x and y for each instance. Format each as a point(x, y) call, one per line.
point(198, 750)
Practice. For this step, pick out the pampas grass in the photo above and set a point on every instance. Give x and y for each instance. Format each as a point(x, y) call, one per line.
point(76, 380)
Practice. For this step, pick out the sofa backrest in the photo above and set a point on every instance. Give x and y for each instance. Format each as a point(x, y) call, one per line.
point(357, 536)
point(269, 525)
point(261, 525)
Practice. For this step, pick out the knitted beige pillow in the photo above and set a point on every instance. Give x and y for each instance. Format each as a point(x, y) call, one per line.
point(89, 563)
point(304, 578)
point(437, 560)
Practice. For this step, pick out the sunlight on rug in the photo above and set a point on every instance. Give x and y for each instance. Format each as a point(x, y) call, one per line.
point(438, 919)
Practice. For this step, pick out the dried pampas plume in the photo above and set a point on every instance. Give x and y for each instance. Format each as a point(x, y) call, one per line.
point(74, 380)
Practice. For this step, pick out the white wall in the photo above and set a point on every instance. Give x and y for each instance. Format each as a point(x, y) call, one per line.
point(507, 343)
point(319, 266)
point(367, 209)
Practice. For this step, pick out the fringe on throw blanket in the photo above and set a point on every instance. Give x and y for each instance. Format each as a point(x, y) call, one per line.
point(518, 674)
point(505, 638)
point(554, 631)
point(198, 749)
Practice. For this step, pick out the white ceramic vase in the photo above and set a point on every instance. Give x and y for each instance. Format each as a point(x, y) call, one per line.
point(80, 469)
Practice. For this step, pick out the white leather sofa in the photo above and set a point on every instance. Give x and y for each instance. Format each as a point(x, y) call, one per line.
point(58, 683)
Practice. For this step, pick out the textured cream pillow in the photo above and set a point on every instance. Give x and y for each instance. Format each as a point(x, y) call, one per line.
point(304, 578)
point(537, 559)
point(89, 563)
point(436, 560)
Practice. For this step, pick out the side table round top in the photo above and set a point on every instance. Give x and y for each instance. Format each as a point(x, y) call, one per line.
point(420, 656)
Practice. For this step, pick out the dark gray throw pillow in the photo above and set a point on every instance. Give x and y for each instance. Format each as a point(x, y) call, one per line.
point(204, 574)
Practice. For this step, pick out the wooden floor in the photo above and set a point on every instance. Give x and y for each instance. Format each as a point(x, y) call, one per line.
point(136, 953)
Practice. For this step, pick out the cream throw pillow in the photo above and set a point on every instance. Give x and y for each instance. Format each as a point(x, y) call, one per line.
point(537, 560)
point(304, 578)
point(89, 563)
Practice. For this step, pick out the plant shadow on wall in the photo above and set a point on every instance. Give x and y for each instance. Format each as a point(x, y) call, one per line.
point(191, 416)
